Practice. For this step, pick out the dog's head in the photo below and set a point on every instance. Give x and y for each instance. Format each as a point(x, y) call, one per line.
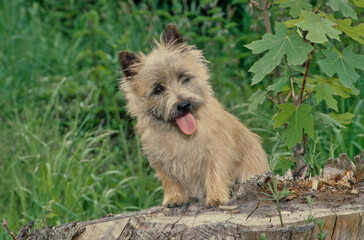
point(170, 84)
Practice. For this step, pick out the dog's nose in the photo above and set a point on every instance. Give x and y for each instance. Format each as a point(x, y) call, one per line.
point(184, 107)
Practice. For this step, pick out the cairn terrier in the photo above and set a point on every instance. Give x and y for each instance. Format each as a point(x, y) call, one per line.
point(197, 148)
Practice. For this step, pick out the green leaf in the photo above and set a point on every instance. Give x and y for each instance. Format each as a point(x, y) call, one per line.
point(343, 6)
point(359, 3)
point(343, 65)
point(239, 2)
point(298, 120)
point(282, 117)
point(278, 84)
point(280, 44)
point(257, 98)
point(295, 6)
point(93, 16)
point(199, 19)
point(231, 25)
point(214, 29)
point(317, 27)
point(283, 165)
point(273, 161)
point(163, 13)
point(292, 22)
point(298, 69)
point(340, 90)
point(335, 84)
point(344, 118)
point(356, 33)
point(327, 119)
point(279, 164)
point(325, 92)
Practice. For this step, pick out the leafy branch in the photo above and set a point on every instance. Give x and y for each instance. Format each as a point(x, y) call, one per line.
point(306, 72)
point(294, 44)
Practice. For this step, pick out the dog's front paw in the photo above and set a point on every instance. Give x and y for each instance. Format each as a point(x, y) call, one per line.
point(214, 202)
point(173, 205)
point(172, 201)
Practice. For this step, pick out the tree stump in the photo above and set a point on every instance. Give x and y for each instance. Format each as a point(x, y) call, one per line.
point(338, 201)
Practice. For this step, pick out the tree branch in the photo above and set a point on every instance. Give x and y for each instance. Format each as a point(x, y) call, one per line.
point(268, 29)
point(306, 72)
point(271, 98)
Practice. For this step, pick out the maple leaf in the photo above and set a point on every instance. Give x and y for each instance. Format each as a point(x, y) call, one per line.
point(298, 120)
point(340, 90)
point(343, 64)
point(342, 6)
point(359, 3)
point(280, 44)
point(257, 98)
point(317, 27)
point(279, 84)
point(356, 33)
point(344, 118)
point(327, 119)
point(291, 22)
point(325, 92)
point(334, 83)
point(295, 6)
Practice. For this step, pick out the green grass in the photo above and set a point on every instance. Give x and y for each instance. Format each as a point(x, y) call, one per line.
point(68, 149)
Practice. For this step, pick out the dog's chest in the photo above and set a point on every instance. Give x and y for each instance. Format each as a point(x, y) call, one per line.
point(181, 156)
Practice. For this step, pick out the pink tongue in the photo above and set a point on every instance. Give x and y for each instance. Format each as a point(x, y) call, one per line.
point(187, 124)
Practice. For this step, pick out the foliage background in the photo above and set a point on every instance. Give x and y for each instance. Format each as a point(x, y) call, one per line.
point(67, 146)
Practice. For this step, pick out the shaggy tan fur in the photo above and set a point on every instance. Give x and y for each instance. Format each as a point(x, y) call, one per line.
point(202, 165)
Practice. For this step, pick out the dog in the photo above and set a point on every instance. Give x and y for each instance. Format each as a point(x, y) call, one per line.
point(196, 147)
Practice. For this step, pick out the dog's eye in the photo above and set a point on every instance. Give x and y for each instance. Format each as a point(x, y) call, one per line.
point(186, 80)
point(158, 89)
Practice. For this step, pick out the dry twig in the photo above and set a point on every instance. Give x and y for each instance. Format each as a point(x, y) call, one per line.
point(289, 95)
point(6, 226)
point(271, 98)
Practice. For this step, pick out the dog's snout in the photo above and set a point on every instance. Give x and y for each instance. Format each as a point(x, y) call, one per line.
point(184, 107)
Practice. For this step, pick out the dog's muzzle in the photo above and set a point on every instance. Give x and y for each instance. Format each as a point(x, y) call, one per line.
point(184, 107)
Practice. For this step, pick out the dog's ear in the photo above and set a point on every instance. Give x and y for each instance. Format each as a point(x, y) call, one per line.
point(171, 35)
point(126, 60)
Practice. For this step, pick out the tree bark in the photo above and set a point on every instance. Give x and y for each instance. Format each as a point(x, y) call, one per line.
point(240, 220)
